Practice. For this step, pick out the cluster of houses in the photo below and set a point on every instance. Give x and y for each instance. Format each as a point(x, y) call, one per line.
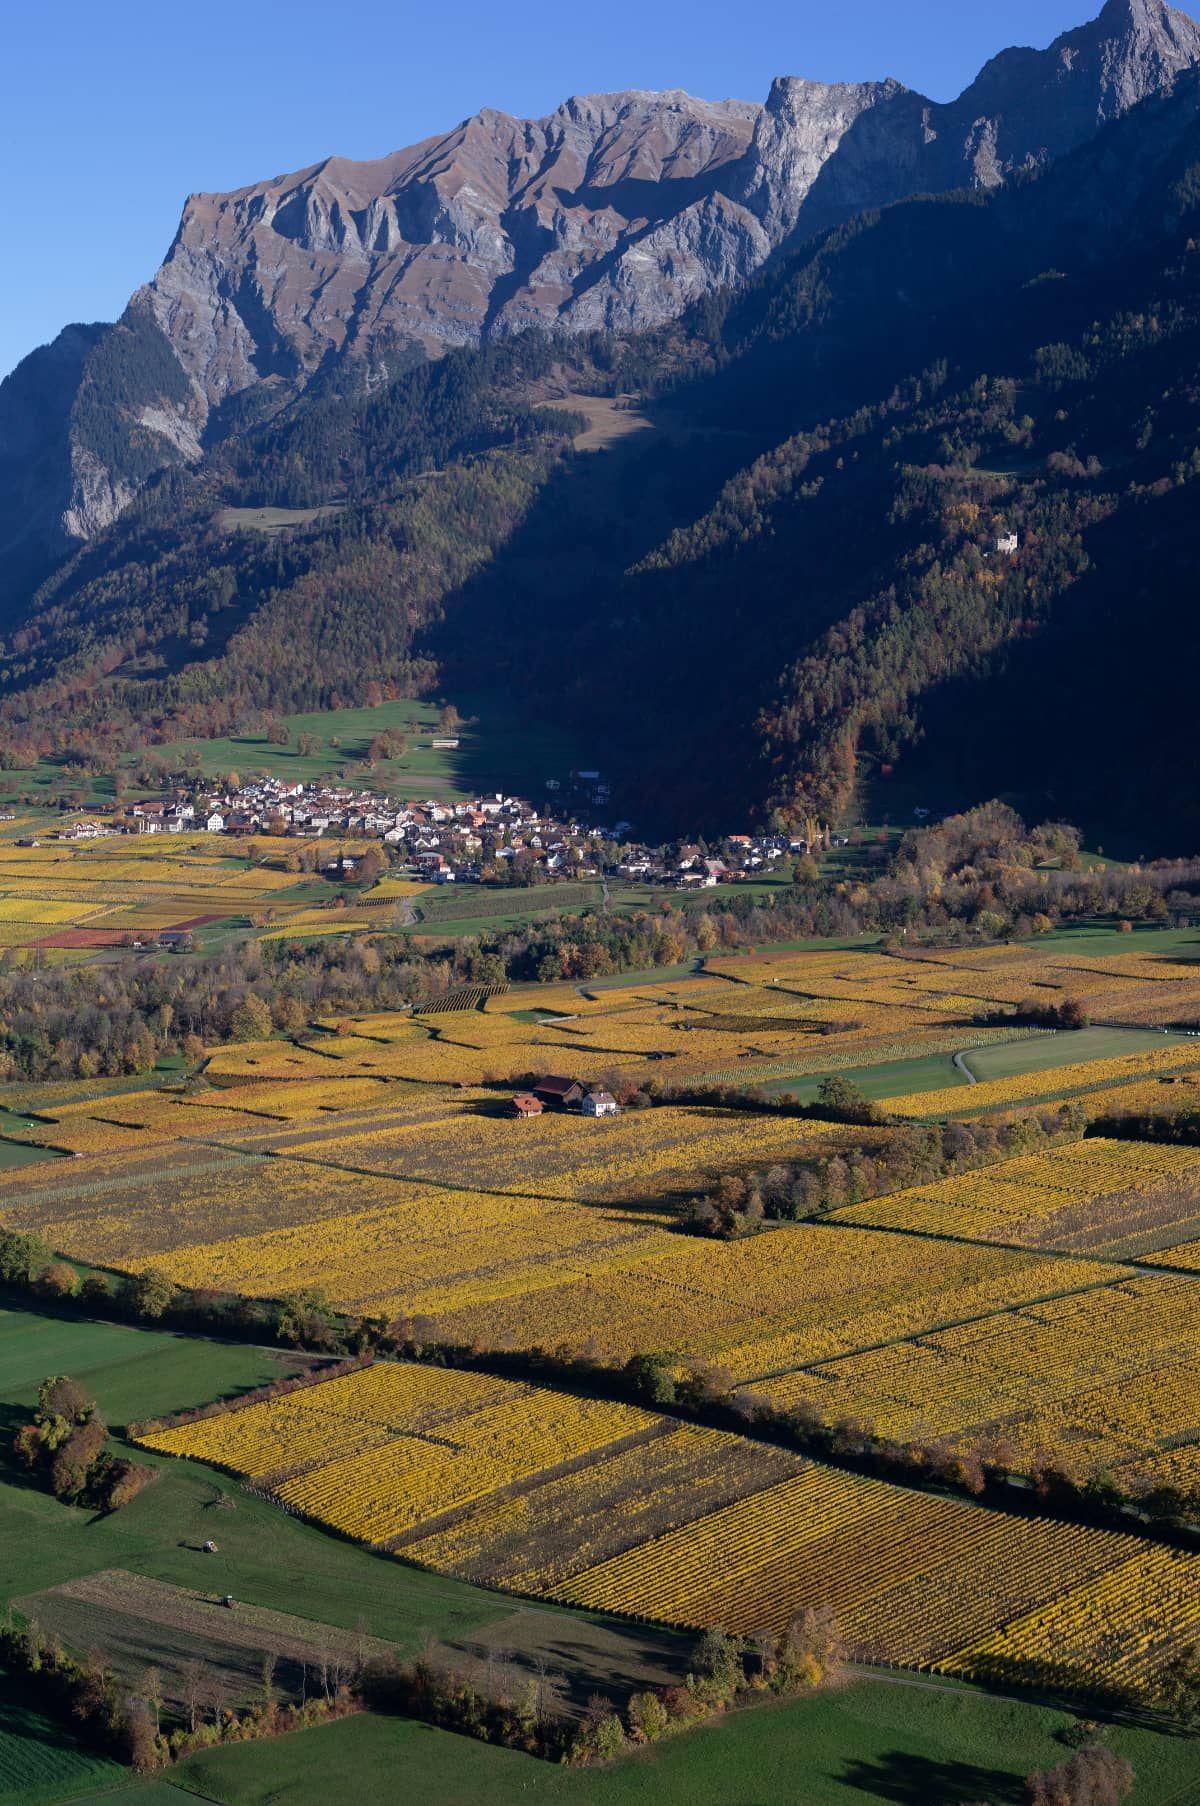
point(563, 1094)
point(444, 842)
point(691, 868)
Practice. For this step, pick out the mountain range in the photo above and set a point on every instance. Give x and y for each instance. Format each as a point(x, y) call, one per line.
point(374, 346)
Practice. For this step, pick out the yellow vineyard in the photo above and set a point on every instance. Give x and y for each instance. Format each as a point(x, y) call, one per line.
point(1095, 1382)
point(380, 1452)
point(1038, 1309)
point(621, 1511)
point(913, 1580)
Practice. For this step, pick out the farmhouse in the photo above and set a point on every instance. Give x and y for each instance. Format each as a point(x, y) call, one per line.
point(563, 1092)
point(148, 818)
point(525, 1107)
point(600, 1103)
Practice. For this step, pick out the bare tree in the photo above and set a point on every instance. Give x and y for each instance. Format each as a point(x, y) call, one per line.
point(544, 1696)
point(766, 1648)
point(362, 1648)
point(152, 1693)
point(498, 1675)
point(213, 1694)
point(191, 1687)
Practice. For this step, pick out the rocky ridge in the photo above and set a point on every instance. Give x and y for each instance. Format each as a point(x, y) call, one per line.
point(614, 212)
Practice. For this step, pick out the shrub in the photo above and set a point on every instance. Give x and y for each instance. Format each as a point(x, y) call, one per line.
point(149, 1295)
point(648, 1718)
point(58, 1281)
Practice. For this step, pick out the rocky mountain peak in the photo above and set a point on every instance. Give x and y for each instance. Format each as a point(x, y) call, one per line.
point(1143, 15)
point(615, 212)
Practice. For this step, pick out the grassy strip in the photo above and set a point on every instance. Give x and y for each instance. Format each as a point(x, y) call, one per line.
point(871, 1741)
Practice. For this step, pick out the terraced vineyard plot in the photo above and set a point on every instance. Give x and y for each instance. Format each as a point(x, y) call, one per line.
point(378, 1454)
point(618, 1510)
point(912, 1579)
point(534, 1542)
point(1184, 1255)
point(1112, 1634)
point(423, 1250)
point(82, 896)
point(1175, 1467)
point(776, 1302)
point(1078, 1197)
point(121, 1209)
point(329, 1422)
point(635, 1156)
point(1065, 1082)
point(141, 1121)
point(1093, 1382)
point(281, 1060)
point(384, 1495)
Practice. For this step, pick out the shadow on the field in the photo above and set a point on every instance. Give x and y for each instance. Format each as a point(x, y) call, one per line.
point(586, 1658)
point(911, 1780)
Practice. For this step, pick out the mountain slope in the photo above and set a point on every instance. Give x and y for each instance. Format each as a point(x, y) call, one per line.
point(614, 213)
point(791, 583)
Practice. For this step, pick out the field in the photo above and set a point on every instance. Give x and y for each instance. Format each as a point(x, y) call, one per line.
point(41, 1762)
point(140, 1622)
point(381, 1165)
point(585, 1253)
point(608, 421)
point(918, 1581)
point(275, 1565)
point(871, 1742)
point(1092, 1196)
point(75, 900)
point(1039, 1308)
point(1097, 1382)
point(380, 1453)
point(494, 749)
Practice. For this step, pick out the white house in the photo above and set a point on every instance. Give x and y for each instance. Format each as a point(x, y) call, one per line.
point(215, 823)
point(1008, 543)
point(600, 1103)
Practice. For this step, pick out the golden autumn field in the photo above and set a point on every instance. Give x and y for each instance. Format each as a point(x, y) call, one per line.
point(63, 901)
point(1046, 1303)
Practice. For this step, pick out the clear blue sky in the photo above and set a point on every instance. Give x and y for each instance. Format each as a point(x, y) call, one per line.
point(114, 110)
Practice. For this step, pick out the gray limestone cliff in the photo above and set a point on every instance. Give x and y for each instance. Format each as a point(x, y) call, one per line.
point(614, 212)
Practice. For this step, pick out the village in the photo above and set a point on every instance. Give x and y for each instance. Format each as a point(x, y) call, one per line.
point(492, 839)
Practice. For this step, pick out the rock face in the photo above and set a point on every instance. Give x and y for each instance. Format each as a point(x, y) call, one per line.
point(608, 212)
point(821, 154)
point(35, 452)
point(615, 212)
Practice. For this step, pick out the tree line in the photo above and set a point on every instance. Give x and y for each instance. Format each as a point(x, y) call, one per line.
point(739, 1204)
